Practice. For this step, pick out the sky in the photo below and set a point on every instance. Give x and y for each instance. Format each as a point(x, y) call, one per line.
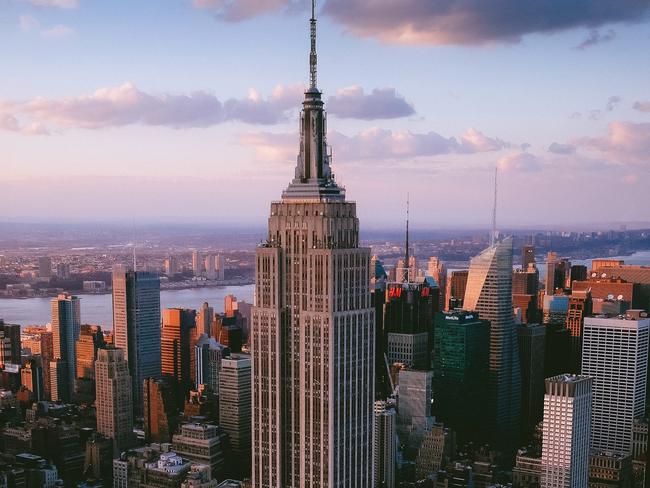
point(187, 110)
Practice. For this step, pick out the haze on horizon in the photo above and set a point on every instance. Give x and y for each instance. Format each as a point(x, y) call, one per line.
point(129, 112)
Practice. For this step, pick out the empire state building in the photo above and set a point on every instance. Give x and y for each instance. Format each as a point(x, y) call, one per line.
point(313, 327)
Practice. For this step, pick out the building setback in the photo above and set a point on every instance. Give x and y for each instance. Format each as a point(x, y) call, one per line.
point(313, 328)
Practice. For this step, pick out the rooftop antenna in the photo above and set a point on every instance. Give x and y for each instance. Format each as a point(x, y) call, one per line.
point(134, 255)
point(407, 257)
point(313, 60)
point(493, 235)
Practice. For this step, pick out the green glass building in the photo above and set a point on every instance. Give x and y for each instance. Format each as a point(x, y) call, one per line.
point(460, 372)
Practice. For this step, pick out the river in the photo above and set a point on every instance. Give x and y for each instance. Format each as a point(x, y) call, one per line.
point(97, 309)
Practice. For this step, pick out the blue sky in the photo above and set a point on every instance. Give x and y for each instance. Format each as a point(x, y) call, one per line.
point(171, 109)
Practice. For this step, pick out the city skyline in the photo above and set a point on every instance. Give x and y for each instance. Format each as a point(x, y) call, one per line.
point(167, 110)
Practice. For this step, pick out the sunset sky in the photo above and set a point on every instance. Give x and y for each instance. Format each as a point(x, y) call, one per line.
point(187, 111)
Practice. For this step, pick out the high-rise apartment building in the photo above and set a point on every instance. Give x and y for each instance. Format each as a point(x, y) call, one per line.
point(114, 401)
point(197, 263)
point(66, 326)
point(45, 267)
point(384, 444)
point(177, 348)
point(460, 372)
point(615, 354)
point(136, 326)
point(566, 432)
point(31, 377)
point(489, 292)
point(313, 328)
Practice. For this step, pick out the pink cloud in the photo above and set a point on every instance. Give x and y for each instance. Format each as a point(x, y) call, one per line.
point(642, 106)
point(520, 162)
point(625, 142)
point(375, 144)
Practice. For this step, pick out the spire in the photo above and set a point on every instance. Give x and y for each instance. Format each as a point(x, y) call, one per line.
point(407, 257)
point(313, 179)
point(493, 235)
point(313, 59)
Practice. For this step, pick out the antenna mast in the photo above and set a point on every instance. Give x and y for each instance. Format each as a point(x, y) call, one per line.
point(407, 257)
point(313, 60)
point(493, 235)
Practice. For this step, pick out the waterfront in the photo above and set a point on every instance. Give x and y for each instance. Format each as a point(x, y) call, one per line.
point(97, 309)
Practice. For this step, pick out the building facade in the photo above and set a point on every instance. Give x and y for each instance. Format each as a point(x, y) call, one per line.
point(136, 326)
point(114, 401)
point(615, 354)
point(566, 432)
point(313, 328)
point(66, 326)
point(489, 292)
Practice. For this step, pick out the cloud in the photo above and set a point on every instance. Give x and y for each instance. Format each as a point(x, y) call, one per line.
point(520, 162)
point(557, 148)
point(375, 144)
point(57, 32)
point(381, 103)
point(28, 23)
point(240, 10)
point(625, 142)
point(595, 37)
point(642, 106)
point(64, 4)
point(630, 179)
point(471, 22)
point(612, 102)
point(126, 105)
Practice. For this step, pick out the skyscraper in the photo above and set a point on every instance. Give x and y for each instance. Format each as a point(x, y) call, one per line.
point(489, 292)
point(438, 271)
point(615, 354)
point(66, 325)
point(566, 432)
point(136, 326)
point(204, 319)
point(160, 410)
point(384, 444)
point(177, 348)
point(313, 328)
point(235, 408)
point(90, 340)
point(114, 398)
point(456, 286)
point(208, 354)
point(10, 349)
point(527, 256)
point(460, 372)
point(45, 267)
point(532, 350)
